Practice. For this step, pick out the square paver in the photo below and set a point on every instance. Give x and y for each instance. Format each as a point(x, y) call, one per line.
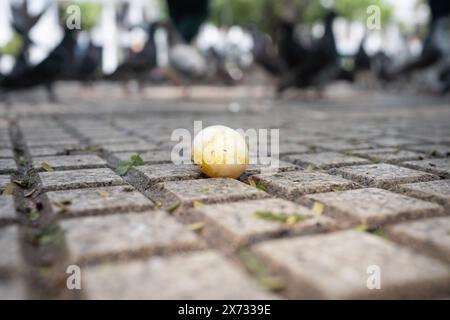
point(145, 176)
point(91, 201)
point(123, 235)
point(440, 150)
point(232, 225)
point(184, 193)
point(7, 165)
point(137, 146)
point(52, 141)
point(389, 155)
point(200, 275)
point(383, 175)
point(292, 185)
point(6, 153)
point(340, 145)
point(11, 258)
point(149, 157)
point(440, 167)
point(291, 147)
point(339, 266)
point(7, 209)
point(75, 179)
point(324, 160)
point(372, 206)
point(395, 141)
point(432, 236)
point(83, 161)
point(264, 166)
point(12, 288)
point(436, 191)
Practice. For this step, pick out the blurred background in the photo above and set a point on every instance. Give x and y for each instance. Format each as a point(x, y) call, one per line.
point(289, 47)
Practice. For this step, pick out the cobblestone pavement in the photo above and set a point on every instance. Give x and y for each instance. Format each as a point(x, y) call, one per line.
point(364, 184)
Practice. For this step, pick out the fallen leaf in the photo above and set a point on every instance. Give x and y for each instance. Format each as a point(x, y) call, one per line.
point(261, 187)
point(9, 189)
point(46, 167)
point(173, 207)
point(29, 193)
point(103, 194)
point(251, 182)
point(196, 226)
point(318, 208)
point(197, 204)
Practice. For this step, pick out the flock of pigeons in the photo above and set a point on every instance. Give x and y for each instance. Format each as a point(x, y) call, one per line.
point(218, 56)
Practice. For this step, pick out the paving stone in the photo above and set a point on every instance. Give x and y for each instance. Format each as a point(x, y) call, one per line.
point(55, 141)
point(149, 157)
point(432, 236)
point(138, 146)
point(115, 139)
point(213, 190)
point(291, 147)
point(6, 153)
point(12, 288)
point(7, 209)
point(324, 160)
point(189, 276)
point(335, 266)
point(294, 184)
point(83, 161)
point(441, 150)
point(4, 180)
point(55, 150)
point(436, 191)
point(124, 235)
point(145, 176)
point(259, 167)
point(390, 155)
point(74, 179)
point(339, 145)
point(395, 141)
point(7, 165)
point(372, 206)
point(11, 257)
point(383, 175)
point(232, 225)
point(90, 201)
point(440, 167)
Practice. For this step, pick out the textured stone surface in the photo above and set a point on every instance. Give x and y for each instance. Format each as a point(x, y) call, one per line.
point(126, 234)
point(11, 257)
point(74, 179)
point(383, 175)
point(395, 141)
point(264, 166)
point(432, 236)
point(70, 162)
point(236, 224)
point(372, 206)
point(292, 185)
point(12, 288)
point(204, 190)
point(103, 200)
point(436, 191)
point(6, 153)
point(7, 210)
point(138, 146)
point(190, 276)
point(149, 157)
point(335, 266)
point(7, 165)
point(437, 149)
point(340, 145)
point(324, 160)
point(390, 155)
point(148, 175)
point(440, 167)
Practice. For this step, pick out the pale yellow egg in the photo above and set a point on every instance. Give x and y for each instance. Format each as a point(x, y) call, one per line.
point(220, 151)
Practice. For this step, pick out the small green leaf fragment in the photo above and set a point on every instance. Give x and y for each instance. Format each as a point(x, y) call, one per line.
point(46, 167)
point(261, 187)
point(173, 207)
point(9, 189)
